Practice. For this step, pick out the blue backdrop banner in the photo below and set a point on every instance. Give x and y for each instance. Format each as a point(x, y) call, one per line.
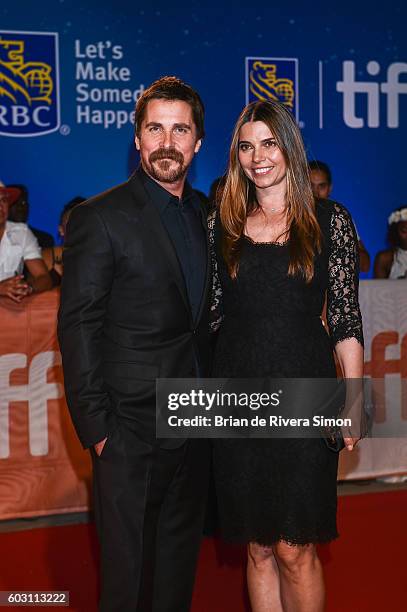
point(70, 74)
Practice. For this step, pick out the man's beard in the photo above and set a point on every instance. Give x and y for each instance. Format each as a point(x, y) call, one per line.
point(160, 163)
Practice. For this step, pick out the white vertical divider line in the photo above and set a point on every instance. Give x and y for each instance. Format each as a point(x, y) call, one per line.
point(297, 96)
point(247, 84)
point(321, 111)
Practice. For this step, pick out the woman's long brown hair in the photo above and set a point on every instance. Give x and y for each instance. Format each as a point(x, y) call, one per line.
point(239, 194)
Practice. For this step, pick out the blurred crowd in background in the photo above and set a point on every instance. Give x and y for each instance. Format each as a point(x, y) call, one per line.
point(31, 259)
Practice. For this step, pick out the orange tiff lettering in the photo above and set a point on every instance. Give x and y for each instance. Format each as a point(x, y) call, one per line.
point(379, 366)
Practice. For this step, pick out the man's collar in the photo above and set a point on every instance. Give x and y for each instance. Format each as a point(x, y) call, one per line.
point(157, 192)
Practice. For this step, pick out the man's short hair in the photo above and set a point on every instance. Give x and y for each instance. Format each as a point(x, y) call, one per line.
point(322, 167)
point(171, 88)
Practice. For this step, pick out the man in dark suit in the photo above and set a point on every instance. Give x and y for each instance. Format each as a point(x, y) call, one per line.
point(134, 307)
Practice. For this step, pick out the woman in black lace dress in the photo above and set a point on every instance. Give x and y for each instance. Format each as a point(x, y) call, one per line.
point(276, 255)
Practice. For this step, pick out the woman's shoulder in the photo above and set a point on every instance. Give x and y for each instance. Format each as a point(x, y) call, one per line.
point(213, 224)
point(331, 208)
point(212, 218)
point(385, 254)
point(383, 263)
point(385, 257)
point(333, 217)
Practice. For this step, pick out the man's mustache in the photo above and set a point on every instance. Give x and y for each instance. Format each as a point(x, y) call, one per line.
point(170, 153)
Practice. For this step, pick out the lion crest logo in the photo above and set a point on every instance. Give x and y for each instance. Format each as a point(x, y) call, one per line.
point(29, 97)
point(272, 79)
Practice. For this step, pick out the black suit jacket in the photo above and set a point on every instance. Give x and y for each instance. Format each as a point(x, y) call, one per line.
point(125, 318)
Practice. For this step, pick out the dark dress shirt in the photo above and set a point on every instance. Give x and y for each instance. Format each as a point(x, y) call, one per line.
point(182, 218)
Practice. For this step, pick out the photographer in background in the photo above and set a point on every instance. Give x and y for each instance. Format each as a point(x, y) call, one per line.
point(19, 212)
point(19, 247)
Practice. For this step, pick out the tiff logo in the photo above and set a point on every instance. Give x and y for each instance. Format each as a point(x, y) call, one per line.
point(37, 392)
point(380, 365)
point(392, 88)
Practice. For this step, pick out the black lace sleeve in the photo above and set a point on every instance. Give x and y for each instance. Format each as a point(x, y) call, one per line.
point(343, 312)
point(216, 314)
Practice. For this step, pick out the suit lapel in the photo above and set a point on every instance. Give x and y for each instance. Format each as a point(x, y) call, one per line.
point(152, 222)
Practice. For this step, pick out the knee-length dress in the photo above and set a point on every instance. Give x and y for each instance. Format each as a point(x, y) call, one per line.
point(270, 325)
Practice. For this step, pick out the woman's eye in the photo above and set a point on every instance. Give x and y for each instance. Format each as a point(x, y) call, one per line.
point(244, 147)
point(270, 143)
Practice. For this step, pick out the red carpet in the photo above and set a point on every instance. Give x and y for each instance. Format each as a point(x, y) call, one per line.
point(365, 569)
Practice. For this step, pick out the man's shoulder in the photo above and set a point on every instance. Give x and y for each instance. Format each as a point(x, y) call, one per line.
point(119, 196)
point(20, 235)
point(110, 198)
point(13, 226)
point(17, 229)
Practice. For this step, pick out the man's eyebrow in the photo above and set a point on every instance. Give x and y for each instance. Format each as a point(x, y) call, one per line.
point(182, 125)
point(185, 126)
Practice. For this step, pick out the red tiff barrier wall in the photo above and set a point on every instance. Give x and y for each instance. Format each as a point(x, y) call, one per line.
point(43, 469)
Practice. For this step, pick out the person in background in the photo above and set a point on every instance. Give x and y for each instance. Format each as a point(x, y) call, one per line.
point(321, 183)
point(53, 255)
point(392, 263)
point(19, 213)
point(19, 247)
point(66, 213)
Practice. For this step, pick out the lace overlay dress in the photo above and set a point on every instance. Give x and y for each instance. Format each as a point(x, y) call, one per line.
point(270, 325)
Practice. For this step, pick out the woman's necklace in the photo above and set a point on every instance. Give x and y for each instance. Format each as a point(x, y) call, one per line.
point(267, 224)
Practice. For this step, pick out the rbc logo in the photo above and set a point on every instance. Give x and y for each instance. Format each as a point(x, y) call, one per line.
point(29, 83)
point(270, 78)
point(392, 88)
